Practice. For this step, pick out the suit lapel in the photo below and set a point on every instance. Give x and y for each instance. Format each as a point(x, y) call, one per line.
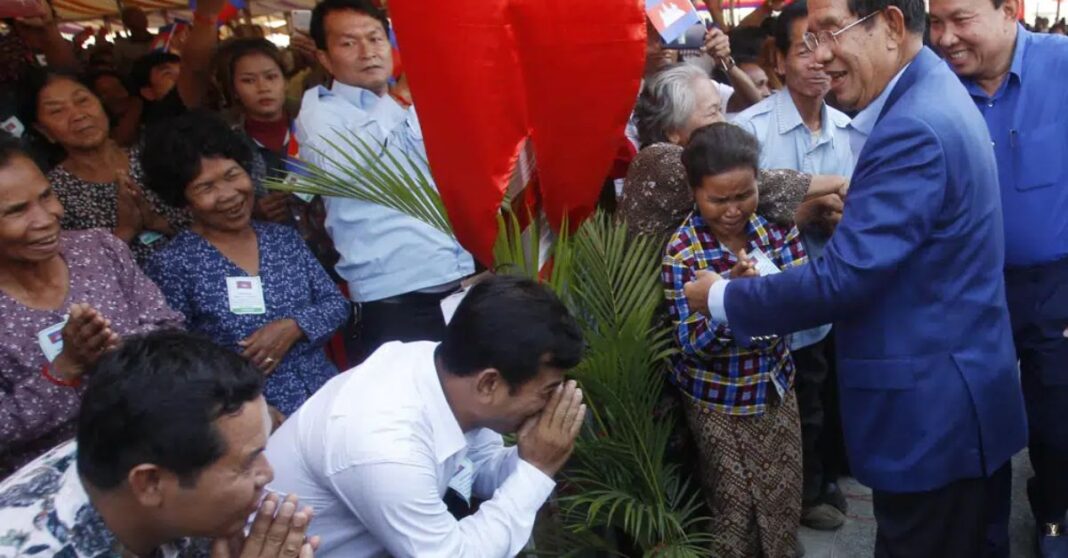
point(920, 65)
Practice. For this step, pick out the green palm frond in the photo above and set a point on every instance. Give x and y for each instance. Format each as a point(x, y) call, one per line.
point(621, 494)
point(354, 168)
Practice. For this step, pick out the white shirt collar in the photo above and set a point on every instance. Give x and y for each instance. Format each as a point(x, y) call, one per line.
point(448, 436)
point(864, 122)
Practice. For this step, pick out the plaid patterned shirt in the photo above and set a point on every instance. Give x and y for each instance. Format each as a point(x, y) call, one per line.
point(711, 366)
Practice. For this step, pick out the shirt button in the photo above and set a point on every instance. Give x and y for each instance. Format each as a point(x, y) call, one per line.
point(990, 104)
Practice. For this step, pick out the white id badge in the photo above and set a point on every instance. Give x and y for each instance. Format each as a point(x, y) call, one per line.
point(246, 295)
point(51, 340)
point(764, 265)
point(464, 479)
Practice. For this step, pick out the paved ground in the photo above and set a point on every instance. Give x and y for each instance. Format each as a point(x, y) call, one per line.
point(857, 538)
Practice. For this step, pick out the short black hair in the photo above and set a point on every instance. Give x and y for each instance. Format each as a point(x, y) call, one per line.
point(10, 148)
point(718, 148)
point(173, 149)
point(141, 72)
point(317, 28)
point(791, 13)
point(155, 399)
point(746, 43)
point(90, 78)
point(35, 82)
point(915, 11)
point(512, 324)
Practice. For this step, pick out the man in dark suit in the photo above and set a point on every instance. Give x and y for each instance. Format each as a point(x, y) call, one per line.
point(912, 278)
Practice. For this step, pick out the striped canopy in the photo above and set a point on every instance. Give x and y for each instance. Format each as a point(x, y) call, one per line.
point(80, 10)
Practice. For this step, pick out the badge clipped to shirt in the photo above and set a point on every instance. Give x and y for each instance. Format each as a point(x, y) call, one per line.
point(51, 339)
point(764, 265)
point(246, 295)
point(148, 238)
point(464, 479)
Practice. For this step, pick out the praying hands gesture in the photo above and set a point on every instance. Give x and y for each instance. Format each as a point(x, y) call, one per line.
point(273, 535)
point(547, 439)
point(86, 336)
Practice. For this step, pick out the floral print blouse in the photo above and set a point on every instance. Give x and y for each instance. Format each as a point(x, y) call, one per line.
point(192, 274)
point(36, 414)
point(44, 511)
point(94, 205)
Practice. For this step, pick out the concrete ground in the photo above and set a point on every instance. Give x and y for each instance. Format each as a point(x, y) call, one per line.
point(856, 539)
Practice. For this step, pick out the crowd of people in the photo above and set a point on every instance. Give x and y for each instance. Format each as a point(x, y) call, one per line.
point(862, 208)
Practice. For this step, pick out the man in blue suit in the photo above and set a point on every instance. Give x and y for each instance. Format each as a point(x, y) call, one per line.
point(912, 278)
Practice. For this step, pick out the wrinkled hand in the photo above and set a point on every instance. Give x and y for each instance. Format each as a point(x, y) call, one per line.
point(86, 336)
point(268, 345)
point(717, 44)
point(547, 440)
point(821, 214)
point(825, 184)
point(281, 535)
point(696, 291)
point(744, 268)
point(274, 207)
point(150, 218)
point(129, 219)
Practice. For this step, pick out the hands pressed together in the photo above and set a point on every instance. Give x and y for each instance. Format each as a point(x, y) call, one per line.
point(547, 439)
point(86, 336)
point(278, 531)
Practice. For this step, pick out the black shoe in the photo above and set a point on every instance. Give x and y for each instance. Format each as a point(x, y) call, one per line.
point(833, 495)
point(822, 517)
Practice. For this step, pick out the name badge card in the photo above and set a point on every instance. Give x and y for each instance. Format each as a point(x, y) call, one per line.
point(464, 479)
point(764, 265)
point(246, 295)
point(51, 340)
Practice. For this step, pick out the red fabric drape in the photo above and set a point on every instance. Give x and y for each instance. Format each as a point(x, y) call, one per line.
point(485, 74)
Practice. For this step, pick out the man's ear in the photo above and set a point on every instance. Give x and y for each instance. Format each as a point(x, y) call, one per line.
point(488, 384)
point(1010, 8)
point(780, 63)
point(324, 60)
point(896, 29)
point(148, 94)
point(146, 483)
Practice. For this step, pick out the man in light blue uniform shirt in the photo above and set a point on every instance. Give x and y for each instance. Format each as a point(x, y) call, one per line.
point(1019, 81)
point(798, 130)
point(397, 267)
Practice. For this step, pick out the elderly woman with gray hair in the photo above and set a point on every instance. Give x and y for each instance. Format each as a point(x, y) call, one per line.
point(656, 196)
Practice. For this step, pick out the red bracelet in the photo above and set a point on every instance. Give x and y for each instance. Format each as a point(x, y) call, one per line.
point(199, 19)
point(47, 373)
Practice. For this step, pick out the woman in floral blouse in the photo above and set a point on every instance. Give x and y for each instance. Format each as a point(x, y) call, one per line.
point(739, 397)
point(65, 297)
point(98, 182)
point(254, 287)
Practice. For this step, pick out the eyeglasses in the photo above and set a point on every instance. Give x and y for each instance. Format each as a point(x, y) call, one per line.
point(814, 40)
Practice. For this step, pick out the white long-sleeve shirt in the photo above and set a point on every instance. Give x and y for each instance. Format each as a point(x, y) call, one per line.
point(373, 453)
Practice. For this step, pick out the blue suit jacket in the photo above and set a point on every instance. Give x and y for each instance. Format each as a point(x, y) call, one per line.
point(912, 280)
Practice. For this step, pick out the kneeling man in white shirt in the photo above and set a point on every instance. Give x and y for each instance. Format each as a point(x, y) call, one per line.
point(375, 450)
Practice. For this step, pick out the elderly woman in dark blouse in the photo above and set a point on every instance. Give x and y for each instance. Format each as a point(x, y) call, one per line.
point(98, 182)
point(656, 195)
point(255, 287)
point(65, 297)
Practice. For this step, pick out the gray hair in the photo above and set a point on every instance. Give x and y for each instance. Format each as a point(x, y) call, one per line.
point(666, 102)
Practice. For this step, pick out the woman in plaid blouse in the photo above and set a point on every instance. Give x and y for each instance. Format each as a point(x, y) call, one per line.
point(738, 398)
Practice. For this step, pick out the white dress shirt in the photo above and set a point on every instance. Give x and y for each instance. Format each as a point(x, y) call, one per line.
point(373, 453)
point(859, 129)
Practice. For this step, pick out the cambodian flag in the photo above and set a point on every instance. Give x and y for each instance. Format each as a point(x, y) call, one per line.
point(229, 11)
point(671, 18)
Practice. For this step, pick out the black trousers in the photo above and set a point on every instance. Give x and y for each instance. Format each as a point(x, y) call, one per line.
point(408, 317)
point(1038, 305)
point(949, 522)
point(822, 445)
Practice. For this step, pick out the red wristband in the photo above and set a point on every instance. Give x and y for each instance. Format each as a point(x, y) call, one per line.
point(47, 373)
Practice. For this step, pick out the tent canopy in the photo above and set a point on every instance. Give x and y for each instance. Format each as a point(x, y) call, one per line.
point(81, 10)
